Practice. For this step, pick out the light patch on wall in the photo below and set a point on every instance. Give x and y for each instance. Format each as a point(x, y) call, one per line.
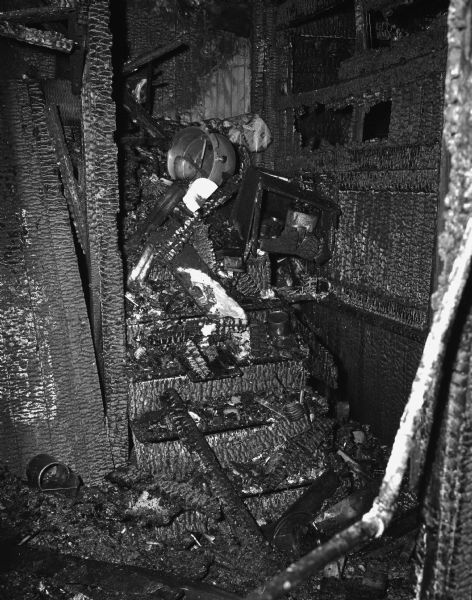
point(226, 90)
point(29, 399)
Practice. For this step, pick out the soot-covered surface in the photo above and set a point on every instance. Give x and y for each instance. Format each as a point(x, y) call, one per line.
point(126, 521)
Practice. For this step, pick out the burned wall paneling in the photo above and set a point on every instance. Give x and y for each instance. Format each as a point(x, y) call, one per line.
point(384, 177)
point(51, 398)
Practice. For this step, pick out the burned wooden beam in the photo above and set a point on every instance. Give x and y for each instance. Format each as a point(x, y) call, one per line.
point(36, 37)
point(102, 202)
point(40, 14)
point(71, 189)
point(146, 57)
point(240, 519)
point(139, 116)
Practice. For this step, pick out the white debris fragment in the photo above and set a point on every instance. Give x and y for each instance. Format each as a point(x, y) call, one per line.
point(223, 305)
point(139, 352)
point(208, 329)
point(267, 294)
point(244, 342)
point(359, 436)
point(145, 503)
point(197, 192)
point(195, 417)
point(139, 91)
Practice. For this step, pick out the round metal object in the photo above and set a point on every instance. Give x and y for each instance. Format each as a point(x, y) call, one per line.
point(194, 152)
point(279, 324)
point(50, 475)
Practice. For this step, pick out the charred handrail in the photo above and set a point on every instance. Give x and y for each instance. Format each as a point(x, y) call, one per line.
point(146, 57)
point(240, 519)
point(426, 383)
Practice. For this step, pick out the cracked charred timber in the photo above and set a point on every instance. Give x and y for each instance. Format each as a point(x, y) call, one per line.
point(244, 527)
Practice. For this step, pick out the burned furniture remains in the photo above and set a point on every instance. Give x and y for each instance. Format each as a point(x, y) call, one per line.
point(207, 319)
point(274, 214)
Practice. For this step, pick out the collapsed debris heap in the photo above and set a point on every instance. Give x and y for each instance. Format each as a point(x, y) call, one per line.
point(207, 320)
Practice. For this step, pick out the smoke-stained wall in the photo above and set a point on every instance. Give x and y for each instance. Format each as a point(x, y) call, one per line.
point(370, 140)
point(51, 400)
point(208, 77)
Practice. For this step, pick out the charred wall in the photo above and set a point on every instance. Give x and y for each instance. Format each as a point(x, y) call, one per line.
point(61, 296)
point(51, 398)
point(182, 82)
point(371, 141)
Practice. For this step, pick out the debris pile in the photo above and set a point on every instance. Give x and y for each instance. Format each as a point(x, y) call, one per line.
point(184, 529)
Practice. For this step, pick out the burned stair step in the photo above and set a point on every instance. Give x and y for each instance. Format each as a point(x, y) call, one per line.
point(224, 413)
point(257, 458)
point(265, 508)
point(153, 427)
point(144, 396)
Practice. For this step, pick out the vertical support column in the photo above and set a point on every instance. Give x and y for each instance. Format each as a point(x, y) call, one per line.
point(102, 200)
point(264, 73)
point(446, 436)
point(361, 33)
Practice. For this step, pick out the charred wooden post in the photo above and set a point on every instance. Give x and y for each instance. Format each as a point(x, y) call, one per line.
point(76, 26)
point(102, 201)
point(444, 445)
point(36, 37)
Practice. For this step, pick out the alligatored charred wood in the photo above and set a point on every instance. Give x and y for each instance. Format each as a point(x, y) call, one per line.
point(36, 37)
point(242, 522)
point(101, 193)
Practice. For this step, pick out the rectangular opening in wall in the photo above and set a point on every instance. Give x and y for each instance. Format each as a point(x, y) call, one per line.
point(377, 122)
point(317, 124)
point(407, 19)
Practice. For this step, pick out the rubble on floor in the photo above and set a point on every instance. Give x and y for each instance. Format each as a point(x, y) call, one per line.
point(179, 528)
